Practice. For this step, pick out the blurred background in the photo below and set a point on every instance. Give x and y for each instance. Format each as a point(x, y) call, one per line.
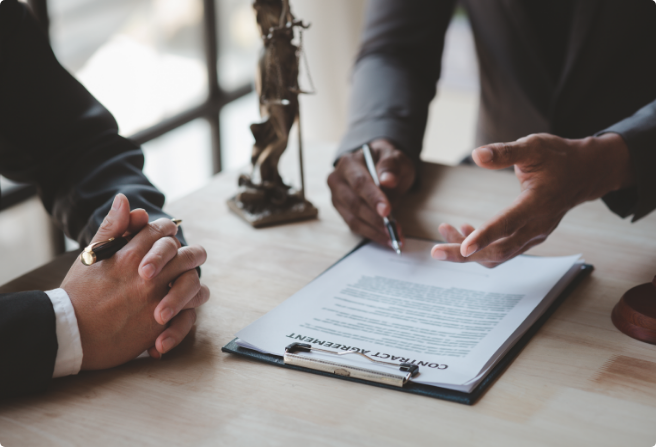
point(178, 77)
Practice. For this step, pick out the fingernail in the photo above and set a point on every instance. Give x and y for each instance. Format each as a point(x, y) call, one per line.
point(484, 154)
point(168, 344)
point(471, 250)
point(166, 314)
point(381, 208)
point(385, 176)
point(148, 270)
point(440, 255)
point(116, 204)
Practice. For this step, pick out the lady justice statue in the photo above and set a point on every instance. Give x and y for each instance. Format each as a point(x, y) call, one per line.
point(263, 198)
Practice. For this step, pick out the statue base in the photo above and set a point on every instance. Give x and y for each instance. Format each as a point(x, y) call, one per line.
point(263, 214)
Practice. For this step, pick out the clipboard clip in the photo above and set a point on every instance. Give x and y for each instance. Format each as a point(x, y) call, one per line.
point(293, 357)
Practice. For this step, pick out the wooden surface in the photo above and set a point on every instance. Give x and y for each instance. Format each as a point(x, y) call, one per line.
point(578, 382)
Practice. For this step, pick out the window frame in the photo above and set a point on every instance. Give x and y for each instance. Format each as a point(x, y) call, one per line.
point(209, 109)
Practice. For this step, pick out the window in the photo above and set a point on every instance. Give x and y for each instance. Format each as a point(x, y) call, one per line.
point(154, 64)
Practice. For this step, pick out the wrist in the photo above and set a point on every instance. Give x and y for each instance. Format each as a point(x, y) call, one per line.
point(608, 159)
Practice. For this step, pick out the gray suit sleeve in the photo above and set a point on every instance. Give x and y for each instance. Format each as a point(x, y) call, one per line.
point(396, 72)
point(639, 133)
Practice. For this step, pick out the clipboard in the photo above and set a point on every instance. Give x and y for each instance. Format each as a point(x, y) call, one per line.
point(418, 388)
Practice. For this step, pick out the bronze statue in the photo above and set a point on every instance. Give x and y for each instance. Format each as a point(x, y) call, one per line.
point(263, 198)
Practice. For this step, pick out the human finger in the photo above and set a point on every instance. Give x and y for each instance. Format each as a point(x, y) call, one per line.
point(496, 253)
point(116, 222)
point(154, 353)
point(187, 258)
point(359, 179)
point(507, 249)
point(394, 168)
point(503, 224)
point(162, 251)
point(451, 253)
point(450, 234)
point(176, 332)
point(364, 229)
point(505, 253)
point(138, 220)
point(142, 242)
point(348, 203)
point(504, 155)
point(466, 229)
point(186, 288)
point(447, 252)
point(200, 298)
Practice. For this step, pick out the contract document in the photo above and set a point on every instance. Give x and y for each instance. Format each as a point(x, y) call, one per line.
point(455, 321)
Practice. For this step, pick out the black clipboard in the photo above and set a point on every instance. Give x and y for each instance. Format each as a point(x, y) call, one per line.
point(427, 390)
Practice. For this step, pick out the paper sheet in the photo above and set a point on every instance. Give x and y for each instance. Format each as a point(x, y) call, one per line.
point(453, 320)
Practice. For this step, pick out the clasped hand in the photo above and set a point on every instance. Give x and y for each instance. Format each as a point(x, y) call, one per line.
point(124, 304)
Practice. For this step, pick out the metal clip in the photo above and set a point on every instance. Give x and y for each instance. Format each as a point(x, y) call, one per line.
point(292, 358)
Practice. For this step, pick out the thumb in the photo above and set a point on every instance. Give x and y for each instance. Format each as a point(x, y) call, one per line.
point(501, 155)
point(394, 169)
point(388, 172)
point(116, 222)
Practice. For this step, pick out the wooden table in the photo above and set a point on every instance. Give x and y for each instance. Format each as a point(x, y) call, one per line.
point(578, 382)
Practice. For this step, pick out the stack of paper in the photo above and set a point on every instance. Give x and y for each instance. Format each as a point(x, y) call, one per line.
point(455, 321)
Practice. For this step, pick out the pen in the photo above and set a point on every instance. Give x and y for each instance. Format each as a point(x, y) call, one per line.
point(106, 249)
point(389, 221)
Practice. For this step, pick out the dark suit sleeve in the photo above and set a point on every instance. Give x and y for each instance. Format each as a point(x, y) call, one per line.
point(639, 133)
point(28, 343)
point(396, 72)
point(57, 136)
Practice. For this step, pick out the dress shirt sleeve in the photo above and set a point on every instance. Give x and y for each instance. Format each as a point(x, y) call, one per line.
point(639, 134)
point(396, 73)
point(69, 353)
point(57, 136)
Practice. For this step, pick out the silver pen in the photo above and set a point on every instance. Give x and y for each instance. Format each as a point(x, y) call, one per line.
point(389, 221)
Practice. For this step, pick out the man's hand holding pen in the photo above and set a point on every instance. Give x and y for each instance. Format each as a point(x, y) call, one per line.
point(357, 198)
point(124, 303)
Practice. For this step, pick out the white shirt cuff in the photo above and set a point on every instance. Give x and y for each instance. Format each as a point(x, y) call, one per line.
point(69, 352)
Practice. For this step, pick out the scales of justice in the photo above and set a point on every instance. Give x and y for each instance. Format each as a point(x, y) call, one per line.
point(263, 198)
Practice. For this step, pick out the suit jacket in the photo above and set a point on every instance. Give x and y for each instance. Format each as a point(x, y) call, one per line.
point(606, 83)
point(28, 344)
point(54, 134)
